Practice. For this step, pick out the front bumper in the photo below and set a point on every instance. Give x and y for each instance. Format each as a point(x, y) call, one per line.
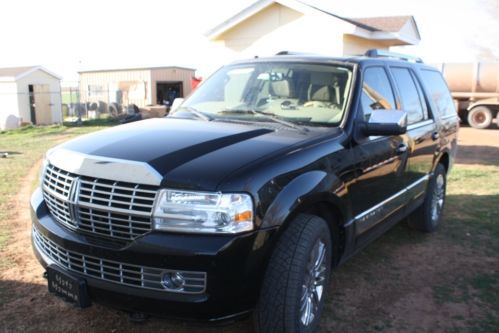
point(232, 264)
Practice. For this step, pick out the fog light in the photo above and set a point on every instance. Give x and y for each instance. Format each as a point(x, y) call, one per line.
point(173, 280)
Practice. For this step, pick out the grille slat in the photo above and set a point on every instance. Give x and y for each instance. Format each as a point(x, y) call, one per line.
point(116, 272)
point(87, 181)
point(105, 208)
point(89, 197)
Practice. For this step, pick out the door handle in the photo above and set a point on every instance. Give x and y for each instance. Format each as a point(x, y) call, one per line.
point(402, 148)
point(435, 136)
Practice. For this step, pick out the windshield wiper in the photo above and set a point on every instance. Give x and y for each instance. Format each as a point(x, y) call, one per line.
point(266, 115)
point(196, 112)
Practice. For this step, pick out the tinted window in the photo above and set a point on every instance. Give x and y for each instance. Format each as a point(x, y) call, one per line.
point(304, 93)
point(376, 91)
point(422, 97)
point(438, 92)
point(411, 102)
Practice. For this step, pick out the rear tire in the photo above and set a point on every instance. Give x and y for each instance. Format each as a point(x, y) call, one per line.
point(297, 278)
point(480, 117)
point(427, 217)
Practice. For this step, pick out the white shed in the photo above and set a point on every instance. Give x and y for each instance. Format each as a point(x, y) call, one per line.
point(29, 95)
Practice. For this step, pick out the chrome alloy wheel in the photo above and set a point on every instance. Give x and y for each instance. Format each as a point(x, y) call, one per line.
point(437, 201)
point(313, 284)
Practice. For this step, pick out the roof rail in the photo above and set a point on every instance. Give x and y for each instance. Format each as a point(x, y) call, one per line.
point(376, 53)
point(292, 53)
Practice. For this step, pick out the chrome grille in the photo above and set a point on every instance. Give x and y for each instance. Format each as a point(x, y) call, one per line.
point(114, 271)
point(58, 181)
point(115, 209)
point(118, 195)
point(57, 185)
point(103, 207)
point(112, 224)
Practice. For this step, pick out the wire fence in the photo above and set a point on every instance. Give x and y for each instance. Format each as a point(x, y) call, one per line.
point(95, 101)
point(43, 104)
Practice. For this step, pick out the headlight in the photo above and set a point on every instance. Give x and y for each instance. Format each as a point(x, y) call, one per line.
point(202, 212)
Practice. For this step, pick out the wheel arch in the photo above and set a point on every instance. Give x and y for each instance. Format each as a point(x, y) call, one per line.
point(491, 103)
point(330, 212)
point(443, 159)
point(311, 193)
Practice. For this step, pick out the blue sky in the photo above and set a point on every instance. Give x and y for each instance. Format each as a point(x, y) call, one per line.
point(67, 36)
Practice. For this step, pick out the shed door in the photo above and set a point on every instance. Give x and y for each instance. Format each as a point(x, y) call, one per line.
point(43, 107)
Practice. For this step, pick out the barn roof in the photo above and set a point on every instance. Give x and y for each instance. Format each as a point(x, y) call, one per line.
point(16, 73)
point(135, 69)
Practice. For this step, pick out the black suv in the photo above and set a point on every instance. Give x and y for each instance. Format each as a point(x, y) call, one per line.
point(271, 173)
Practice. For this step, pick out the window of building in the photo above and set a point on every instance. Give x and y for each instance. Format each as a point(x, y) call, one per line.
point(95, 90)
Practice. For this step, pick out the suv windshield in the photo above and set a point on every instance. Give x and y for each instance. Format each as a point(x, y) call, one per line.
point(299, 93)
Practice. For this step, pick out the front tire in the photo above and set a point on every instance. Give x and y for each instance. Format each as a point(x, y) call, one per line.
point(427, 217)
point(297, 278)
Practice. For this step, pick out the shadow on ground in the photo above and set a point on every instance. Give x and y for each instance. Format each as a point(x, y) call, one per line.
point(44, 308)
point(484, 155)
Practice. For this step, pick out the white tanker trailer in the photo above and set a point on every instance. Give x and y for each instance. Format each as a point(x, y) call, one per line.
point(475, 89)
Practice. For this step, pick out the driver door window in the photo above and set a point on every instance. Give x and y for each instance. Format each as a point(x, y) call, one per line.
point(376, 91)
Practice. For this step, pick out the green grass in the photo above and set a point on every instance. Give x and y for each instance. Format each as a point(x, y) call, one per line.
point(70, 97)
point(472, 221)
point(25, 147)
point(481, 289)
point(473, 207)
point(468, 237)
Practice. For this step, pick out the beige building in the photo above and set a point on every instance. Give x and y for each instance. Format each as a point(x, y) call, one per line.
point(139, 86)
point(270, 26)
point(29, 95)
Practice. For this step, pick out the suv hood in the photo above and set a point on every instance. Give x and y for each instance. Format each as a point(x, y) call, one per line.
point(189, 153)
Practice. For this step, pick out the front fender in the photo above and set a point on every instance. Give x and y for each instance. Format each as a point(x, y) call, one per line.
point(484, 102)
point(310, 186)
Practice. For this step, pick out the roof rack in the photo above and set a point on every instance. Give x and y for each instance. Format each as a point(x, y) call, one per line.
point(376, 53)
point(292, 53)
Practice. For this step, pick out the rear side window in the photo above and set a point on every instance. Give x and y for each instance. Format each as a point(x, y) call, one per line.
point(376, 91)
point(411, 100)
point(439, 93)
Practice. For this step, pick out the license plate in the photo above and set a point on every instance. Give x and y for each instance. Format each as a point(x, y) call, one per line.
point(70, 288)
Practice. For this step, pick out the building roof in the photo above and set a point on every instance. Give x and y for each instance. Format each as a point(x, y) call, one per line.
point(383, 23)
point(16, 73)
point(135, 69)
point(377, 28)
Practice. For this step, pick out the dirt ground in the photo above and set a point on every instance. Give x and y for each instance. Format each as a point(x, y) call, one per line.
point(402, 282)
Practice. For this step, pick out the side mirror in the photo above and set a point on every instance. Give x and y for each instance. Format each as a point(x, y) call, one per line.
point(176, 103)
point(386, 122)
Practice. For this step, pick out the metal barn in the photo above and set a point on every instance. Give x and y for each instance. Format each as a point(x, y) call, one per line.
point(139, 86)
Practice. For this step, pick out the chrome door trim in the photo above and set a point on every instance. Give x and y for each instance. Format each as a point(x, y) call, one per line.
point(417, 182)
point(384, 202)
point(420, 124)
point(372, 211)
